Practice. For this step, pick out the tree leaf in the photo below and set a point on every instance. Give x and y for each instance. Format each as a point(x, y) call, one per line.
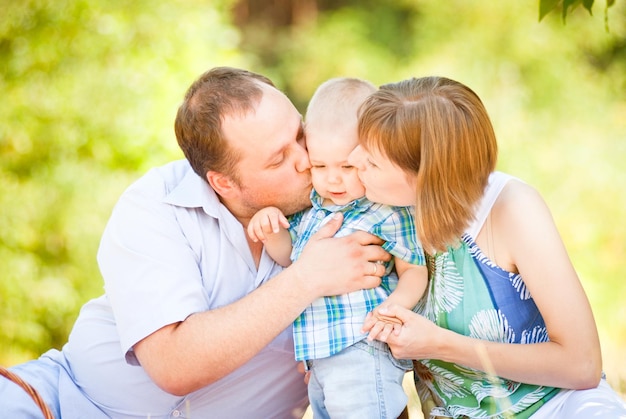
point(546, 6)
point(566, 6)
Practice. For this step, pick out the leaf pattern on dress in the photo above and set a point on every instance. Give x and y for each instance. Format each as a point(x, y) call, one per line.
point(445, 287)
point(530, 399)
point(468, 293)
point(520, 286)
point(491, 325)
point(536, 335)
point(450, 384)
point(515, 279)
point(493, 387)
point(477, 412)
point(486, 385)
point(509, 413)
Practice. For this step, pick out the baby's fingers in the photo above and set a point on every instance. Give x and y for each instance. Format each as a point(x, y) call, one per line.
point(375, 331)
point(255, 232)
point(276, 221)
point(386, 330)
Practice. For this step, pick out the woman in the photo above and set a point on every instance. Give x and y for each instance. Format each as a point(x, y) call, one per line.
point(505, 326)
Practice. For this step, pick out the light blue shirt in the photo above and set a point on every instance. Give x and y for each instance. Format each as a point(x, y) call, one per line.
point(172, 249)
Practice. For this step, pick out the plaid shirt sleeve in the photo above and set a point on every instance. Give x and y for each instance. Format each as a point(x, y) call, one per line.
point(398, 231)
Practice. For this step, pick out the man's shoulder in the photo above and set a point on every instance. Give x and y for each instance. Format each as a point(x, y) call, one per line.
point(163, 179)
point(171, 173)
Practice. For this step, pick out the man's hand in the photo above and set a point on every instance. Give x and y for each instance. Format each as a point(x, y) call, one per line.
point(302, 370)
point(339, 265)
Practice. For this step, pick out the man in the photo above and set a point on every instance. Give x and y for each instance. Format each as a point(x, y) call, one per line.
point(195, 318)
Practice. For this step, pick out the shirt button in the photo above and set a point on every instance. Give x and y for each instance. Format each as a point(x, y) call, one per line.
point(176, 413)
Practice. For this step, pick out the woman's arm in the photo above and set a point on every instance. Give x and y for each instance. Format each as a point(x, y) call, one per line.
point(525, 236)
point(526, 239)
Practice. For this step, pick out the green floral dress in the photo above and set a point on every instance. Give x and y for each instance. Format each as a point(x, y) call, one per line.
point(472, 296)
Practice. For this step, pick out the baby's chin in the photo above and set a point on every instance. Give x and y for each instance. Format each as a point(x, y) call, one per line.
point(341, 200)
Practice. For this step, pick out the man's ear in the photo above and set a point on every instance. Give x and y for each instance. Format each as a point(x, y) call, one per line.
point(222, 184)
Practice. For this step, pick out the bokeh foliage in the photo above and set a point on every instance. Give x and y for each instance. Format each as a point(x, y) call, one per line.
point(90, 88)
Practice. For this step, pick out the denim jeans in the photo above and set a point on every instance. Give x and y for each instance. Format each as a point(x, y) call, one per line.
point(362, 381)
point(49, 376)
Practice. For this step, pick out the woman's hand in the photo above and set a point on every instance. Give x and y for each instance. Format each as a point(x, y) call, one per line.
point(413, 338)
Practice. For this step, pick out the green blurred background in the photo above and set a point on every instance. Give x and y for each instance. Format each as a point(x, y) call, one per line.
point(89, 91)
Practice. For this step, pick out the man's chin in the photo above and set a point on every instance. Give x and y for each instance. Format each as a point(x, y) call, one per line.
point(297, 205)
point(292, 209)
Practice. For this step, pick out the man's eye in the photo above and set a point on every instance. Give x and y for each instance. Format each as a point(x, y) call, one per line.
point(370, 163)
point(278, 161)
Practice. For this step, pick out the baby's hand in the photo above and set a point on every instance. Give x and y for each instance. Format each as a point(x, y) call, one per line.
point(381, 323)
point(265, 222)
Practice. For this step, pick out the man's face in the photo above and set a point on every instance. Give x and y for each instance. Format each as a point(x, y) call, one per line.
point(273, 169)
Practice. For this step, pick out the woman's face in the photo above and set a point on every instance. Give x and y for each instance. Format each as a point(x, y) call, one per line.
point(384, 182)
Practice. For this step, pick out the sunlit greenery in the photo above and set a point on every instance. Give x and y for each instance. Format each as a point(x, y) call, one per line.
point(567, 6)
point(89, 91)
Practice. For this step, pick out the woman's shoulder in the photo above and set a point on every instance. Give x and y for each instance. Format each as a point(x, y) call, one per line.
point(520, 207)
point(517, 193)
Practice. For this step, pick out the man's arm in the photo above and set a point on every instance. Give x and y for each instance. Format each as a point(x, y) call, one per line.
point(188, 355)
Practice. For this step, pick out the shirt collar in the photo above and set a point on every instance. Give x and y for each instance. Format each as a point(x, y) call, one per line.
point(358, 205)
point(194, 192)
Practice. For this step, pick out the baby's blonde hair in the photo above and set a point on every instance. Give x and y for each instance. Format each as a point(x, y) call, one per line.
point(335, 103)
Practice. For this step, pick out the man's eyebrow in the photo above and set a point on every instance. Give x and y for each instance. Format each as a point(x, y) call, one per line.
point(275, 153)
point(281, 148)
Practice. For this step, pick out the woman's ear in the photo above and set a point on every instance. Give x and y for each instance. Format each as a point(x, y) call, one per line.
point(222, 184)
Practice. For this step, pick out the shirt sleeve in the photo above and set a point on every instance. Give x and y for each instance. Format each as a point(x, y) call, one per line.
point(294, 222)
point(398, 231)
point(151, 274)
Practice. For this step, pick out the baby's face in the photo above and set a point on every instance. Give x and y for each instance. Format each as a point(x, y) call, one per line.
point(332, 176)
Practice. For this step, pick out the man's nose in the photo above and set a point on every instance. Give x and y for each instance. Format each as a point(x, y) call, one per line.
point(302, 159)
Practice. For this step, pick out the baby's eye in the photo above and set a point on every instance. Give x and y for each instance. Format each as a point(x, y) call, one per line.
point(347, 167)
point(318, 166)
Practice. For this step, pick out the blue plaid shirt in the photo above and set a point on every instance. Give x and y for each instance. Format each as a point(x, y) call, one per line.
point(331, 324)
